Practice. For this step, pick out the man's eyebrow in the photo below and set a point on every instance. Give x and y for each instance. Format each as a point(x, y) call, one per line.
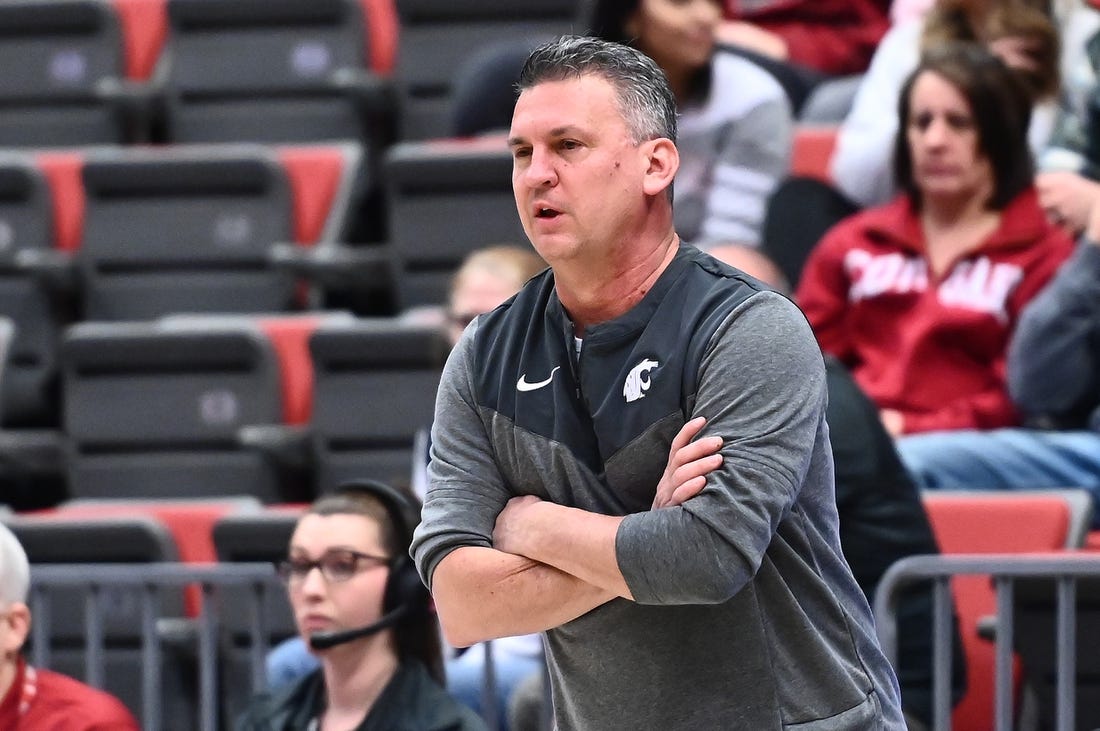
point(562, 131)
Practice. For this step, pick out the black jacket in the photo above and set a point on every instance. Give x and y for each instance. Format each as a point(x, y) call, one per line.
point(412, 701)
point(883, 520)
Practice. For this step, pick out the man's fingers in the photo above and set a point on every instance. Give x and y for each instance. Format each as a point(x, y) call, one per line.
point(696, 450)
point(686, 434)
point(688, 490)
point(696, 468)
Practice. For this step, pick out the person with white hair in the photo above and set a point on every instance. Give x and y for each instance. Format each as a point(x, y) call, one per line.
point(34, 698)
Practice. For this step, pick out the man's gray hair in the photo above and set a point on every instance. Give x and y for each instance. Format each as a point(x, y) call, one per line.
point(15, 571)
point(641, 87)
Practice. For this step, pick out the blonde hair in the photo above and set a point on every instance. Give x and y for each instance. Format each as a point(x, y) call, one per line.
point(507, 262)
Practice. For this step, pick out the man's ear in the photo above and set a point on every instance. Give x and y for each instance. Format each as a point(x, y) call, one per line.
point(17, 617)
point(663, 161)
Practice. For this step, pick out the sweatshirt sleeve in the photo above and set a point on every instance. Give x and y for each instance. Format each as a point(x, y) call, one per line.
point(754, 155)
point(823, 294)
point(762, 388)
point(1054, 356)
point(466, 490)
point(862, 165)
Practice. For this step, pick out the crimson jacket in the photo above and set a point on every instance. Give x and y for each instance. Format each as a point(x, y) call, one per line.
point(832, 36)
point(933, 349)
point(55, 702)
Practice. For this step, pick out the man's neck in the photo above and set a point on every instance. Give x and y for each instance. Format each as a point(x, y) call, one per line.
point(595, 293)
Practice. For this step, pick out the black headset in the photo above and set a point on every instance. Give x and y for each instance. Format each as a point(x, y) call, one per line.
point(405, 595)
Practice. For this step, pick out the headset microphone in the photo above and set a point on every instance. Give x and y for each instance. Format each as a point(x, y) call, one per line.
point(325, 640)
point(404, 594)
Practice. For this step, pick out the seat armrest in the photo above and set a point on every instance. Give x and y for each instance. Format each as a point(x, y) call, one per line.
point(336, 266)
point(288, 446)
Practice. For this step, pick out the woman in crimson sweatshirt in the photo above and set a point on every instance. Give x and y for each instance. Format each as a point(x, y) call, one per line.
point(919, 297)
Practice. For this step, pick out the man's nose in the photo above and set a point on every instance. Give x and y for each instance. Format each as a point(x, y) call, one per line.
point(540, 169)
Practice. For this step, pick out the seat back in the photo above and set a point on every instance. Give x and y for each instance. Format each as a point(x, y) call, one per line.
point(57, 59)
point(812, 151)
point(438, 36)
point(184, 231)
point(446, 199)
point(985, 522)
point(375, 384)
point(268, 71)
point(155, 411)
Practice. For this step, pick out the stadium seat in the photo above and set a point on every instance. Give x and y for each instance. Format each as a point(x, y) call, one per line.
point(158, 410)
point(812, 151)
point(64, 75)
point(262, 537)
point(276, 71)
point(183, 231)
point(217, 228)
point(438, 36)
point(997, 522)
point(59, 630)
point(446, 198)
point(375, 383)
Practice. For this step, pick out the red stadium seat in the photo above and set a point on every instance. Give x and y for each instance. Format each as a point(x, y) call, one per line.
point(985, 522)
point(813, 151)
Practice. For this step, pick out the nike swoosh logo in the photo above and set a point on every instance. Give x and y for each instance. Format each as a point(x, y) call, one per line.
point(523, 385)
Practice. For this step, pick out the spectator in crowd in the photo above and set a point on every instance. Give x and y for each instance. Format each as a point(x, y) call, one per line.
point(735, 126)
point(1054, 378)
point(33, 699)
point(1069, 167)
point(359, 603)
point(681, 582)
point(1021, 32)
point(487, 277)
point(804, 42)
point(919, 297)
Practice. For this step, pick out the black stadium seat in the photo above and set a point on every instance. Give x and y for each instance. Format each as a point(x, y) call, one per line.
point(159, 410)
point(374, 388)
point(273, 71)
point(63, 74)
point(184, 230)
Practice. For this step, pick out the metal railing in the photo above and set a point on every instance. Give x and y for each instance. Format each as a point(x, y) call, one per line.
point(149, 582)
point(1063, 569)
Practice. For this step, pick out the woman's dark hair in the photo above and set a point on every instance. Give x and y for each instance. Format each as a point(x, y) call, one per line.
point(607, 19)
point(416, 635)
point(1001, 108)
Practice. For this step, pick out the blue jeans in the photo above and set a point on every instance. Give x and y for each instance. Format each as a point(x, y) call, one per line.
point(1004, 459)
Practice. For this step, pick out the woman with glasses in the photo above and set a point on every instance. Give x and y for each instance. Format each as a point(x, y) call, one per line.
point(361, 607)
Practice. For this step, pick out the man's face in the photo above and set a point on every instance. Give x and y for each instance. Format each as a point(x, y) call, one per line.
point(577, 174)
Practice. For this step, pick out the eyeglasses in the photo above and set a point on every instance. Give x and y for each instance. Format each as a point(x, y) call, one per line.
point(336, 566)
